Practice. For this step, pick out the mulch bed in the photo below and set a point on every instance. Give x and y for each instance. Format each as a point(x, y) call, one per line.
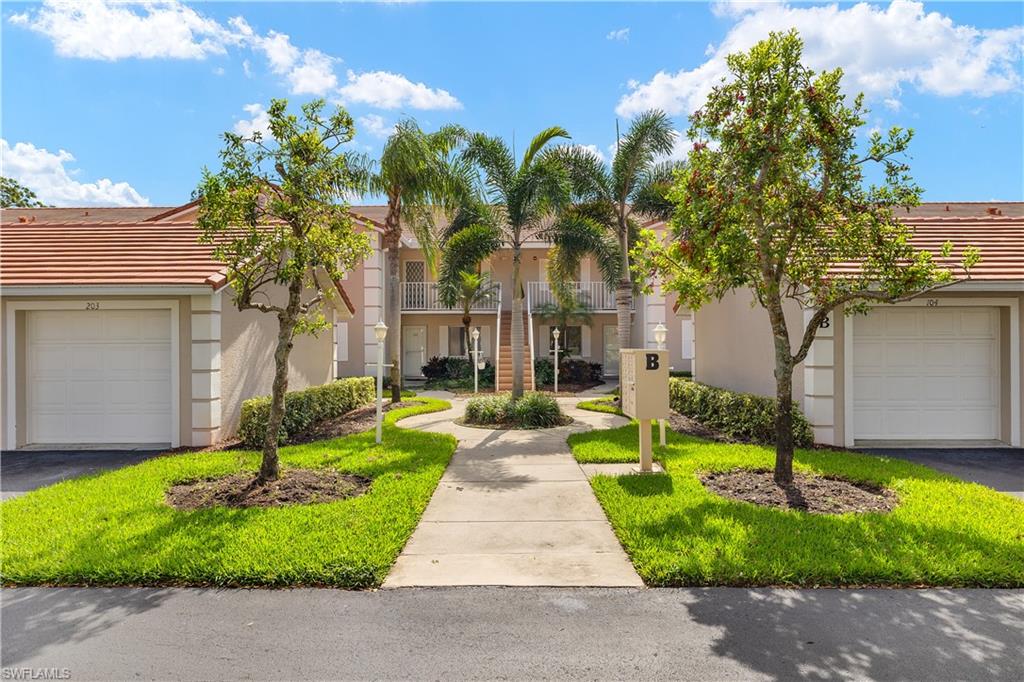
point(356, 421)
point(813, 494)
point(566, 387)
point(241, 490)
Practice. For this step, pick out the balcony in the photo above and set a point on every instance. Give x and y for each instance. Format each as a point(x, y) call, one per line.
point(598, 296)
point(423, 297)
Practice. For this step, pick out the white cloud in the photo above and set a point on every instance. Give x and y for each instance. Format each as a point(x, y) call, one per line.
point(110, 31)
point(880, 50)
point(387, 90)
point(259, 121)
point(218, 71)
point(621, 34)
point(595, 150)
point(45, 173)
point(375, 125)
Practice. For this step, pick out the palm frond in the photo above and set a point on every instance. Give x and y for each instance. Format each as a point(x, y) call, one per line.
point(649, 195)
point(649, 137)
point(539, 141)
point(463, 251)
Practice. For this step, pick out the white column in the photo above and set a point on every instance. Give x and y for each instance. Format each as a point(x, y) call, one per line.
point(206, 403)
point(819, 381)
point(373, 305)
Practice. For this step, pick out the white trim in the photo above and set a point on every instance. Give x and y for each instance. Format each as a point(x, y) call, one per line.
point(990, 285)
point(1015, 360)
point(11, 441)
point(108, 290)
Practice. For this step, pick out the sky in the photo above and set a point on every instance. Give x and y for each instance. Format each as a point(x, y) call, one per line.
point(111, 104)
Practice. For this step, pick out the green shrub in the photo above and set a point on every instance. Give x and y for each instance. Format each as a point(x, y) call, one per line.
point(543, 372)
point(448, 367)
point(739, 415)
point(532, 411)
point(305, 408)
point(681, 374)
point(485, 378)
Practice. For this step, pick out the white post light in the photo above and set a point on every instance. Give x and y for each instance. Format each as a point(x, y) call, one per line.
point(555, 333)
point(476, 359)
point(380, 330)
point(660, 334)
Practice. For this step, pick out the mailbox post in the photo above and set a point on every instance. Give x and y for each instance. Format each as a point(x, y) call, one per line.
point(643, 380)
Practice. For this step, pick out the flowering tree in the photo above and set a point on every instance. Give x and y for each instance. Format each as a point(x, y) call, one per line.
point(774, 198)
point(277, 217)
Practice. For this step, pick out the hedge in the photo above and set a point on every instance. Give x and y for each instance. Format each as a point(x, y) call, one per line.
point(303, 409)
point(742, 416)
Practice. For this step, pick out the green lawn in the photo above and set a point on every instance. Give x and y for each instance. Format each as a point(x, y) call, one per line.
point(944, 531)
point(115, 528)
point(607, 405)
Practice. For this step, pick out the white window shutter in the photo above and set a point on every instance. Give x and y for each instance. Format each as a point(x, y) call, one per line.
point(341, 341)
point(485, 341)
point(585, 341)
point(543, 347)
point(687, 329)
point(442, 340)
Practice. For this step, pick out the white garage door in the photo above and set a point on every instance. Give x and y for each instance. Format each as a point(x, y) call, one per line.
point(926, 373)
point(99, 376)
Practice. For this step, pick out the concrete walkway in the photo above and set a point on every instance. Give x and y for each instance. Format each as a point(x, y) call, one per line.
point(513, 508)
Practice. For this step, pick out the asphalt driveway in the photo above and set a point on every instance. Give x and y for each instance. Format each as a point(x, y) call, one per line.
point(25, 470)
point(998, 468)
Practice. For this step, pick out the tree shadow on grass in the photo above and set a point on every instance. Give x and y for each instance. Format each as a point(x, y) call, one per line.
point(645, 485)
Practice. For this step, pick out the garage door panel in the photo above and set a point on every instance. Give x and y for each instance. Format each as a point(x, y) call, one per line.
point(939, 378)
point(99, 376)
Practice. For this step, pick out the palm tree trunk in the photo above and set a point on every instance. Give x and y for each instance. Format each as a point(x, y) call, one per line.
point(393, 303)
point(624, 294)
point(517, 325)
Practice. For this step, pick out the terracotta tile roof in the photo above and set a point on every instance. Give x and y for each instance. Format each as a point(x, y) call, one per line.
point(111, 253)
point(80, 215)
point(1000, 240)
point(965, 209)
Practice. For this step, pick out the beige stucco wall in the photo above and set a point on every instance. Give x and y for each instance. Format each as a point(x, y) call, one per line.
point(78, 302)
point(248, 341)
point(354, 364)
point(734, 347)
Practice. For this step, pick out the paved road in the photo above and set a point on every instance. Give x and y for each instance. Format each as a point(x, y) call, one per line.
point(998, 468)
point(516, 633)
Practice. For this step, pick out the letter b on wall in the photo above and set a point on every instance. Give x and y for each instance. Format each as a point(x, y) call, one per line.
point(652, 361)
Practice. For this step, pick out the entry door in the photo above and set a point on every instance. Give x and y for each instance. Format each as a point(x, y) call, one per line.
point(414, 350)
point(99, 376)
point(611, 351)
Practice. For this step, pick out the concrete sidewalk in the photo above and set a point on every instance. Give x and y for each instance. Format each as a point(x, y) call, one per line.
point(513, 508)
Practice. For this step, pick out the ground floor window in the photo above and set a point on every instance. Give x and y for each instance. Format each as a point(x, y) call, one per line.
point(570, 343)
point(458, 344)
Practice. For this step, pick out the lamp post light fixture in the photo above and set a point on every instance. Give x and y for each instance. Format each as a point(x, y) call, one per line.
point(380, 330)
point(555, 333)
point(476, 359)
point(660, 334)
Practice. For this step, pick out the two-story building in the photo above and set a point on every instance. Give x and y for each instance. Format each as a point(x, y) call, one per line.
point(430, 329)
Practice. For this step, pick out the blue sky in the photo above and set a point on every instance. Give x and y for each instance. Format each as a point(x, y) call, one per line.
point(120, 105)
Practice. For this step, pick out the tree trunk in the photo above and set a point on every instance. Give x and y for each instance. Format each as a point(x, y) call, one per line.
point(783, 394)
point(270, 469)
point(517, 326)
point(393, 304)
point(467, 324)
point(624, 295)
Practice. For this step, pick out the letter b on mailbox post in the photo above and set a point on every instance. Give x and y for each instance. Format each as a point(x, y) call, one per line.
point(643, 378)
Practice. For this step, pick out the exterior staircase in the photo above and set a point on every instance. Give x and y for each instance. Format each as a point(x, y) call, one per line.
point(503, 381)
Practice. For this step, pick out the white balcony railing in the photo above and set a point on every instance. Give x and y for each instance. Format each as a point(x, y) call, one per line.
point(423, 296)
point(598, 296)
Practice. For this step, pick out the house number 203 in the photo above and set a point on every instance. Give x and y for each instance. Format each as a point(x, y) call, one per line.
point(92, 305)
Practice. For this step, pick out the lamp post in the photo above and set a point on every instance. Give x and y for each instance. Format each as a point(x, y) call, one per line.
point(660, 333)
point(380, 330)
point(476, 360)
point(555, 333)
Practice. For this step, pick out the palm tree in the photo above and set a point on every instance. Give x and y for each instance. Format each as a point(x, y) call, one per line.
point(419, 175)
point(607, 201)
point(565, 310)
point(519, 199)
point(473, 288)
